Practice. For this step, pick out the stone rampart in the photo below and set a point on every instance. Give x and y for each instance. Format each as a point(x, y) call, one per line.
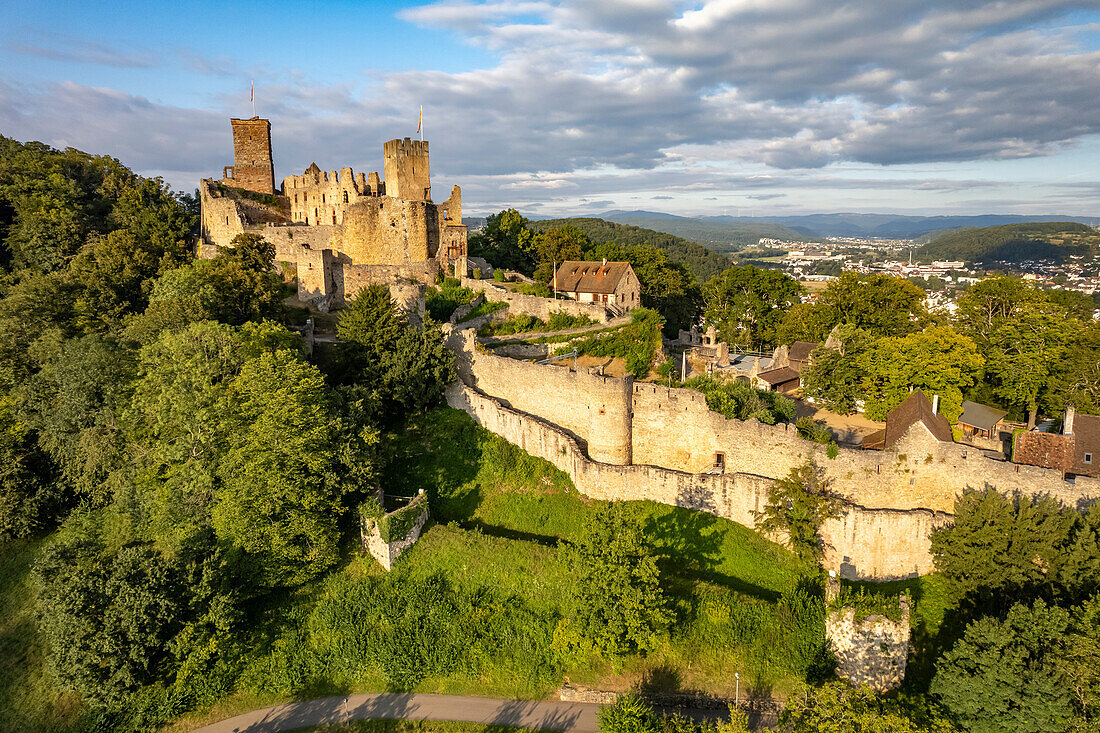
point(534, 306)
point(675, 428)
point(664, 442)
point(855, 546)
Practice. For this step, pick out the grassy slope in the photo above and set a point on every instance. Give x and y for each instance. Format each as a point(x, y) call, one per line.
point(700, 261)
point(501, 517)
point(29, 698)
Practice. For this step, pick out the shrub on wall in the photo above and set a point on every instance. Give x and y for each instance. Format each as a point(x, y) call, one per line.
point(738, 401)
point(636, 343)
point(395, 526)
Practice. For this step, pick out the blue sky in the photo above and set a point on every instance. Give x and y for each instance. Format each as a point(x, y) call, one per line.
point(719, 106)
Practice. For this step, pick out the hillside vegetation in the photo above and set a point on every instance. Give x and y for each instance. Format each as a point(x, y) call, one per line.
point(720, 236)
point(1014, 243)
point(700, 261)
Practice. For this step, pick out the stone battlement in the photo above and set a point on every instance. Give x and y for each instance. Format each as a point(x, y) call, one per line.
point(405, 147)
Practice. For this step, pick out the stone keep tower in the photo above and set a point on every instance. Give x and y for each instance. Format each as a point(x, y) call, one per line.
point(252, 165)
point(407, 170)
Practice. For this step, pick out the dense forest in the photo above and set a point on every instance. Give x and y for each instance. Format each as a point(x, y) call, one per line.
point(711, 232)
point(1013, 243)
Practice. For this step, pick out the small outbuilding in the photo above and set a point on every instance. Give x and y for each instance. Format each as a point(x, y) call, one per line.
point(981, 421)
point(613, 284)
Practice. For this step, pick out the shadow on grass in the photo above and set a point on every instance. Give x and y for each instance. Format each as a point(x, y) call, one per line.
point(477, 525)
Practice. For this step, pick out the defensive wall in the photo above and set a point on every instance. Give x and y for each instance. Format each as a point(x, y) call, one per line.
point(532, 305)
point(621, 440)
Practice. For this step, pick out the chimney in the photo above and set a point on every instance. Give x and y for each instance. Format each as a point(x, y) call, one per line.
point(605, 262)
point(1067, 424)
point(935, 403)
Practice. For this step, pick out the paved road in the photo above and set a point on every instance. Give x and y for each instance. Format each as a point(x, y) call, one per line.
point(559, 716)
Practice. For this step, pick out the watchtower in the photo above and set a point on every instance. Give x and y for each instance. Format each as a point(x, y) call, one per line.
point(407, 170)
point(252, 167)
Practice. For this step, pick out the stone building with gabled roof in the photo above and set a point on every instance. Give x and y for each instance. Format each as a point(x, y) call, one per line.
point(915, 411)
point(1074, 452)
point(612, 284)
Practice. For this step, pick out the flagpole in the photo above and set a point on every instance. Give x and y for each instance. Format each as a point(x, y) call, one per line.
point(420, 124)
point(252, 96)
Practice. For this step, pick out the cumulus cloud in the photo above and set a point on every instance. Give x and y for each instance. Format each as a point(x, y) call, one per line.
point(591, 98)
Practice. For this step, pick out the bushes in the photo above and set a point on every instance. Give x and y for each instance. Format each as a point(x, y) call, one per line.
point(442, 302)
point(403, 630)
point(867, 601)
point(636, 342)
point(738, 401)
point(396, 525)
point(818, 433)
point(559, 321)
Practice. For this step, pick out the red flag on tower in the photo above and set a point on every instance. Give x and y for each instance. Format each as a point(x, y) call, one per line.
point(420, 122)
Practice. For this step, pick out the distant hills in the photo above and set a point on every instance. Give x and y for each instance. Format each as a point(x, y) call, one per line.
point(711, 232)
point(1013, 243)
point(736, 232)
point(702, 262)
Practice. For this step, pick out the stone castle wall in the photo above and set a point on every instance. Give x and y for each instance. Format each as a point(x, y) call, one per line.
point(675, 428)
point(667, 439)
point(387, 552)
point(872, 651)
point(220, 215)
point(532, 305)
point(857, 544)
point(406, 168)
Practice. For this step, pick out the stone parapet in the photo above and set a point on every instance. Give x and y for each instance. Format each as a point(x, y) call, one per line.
point(534, 306)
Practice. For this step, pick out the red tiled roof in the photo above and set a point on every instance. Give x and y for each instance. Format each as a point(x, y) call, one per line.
point(575, 276)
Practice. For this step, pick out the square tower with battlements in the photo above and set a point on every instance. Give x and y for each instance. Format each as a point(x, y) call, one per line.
point(407, 170)
point(252, 167)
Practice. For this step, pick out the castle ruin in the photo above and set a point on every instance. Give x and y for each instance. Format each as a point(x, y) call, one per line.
point(337, 230)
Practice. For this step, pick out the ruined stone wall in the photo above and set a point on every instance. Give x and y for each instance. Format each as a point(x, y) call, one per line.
point(290, 239)
point(857, 551)
point(387, 552)
point(220, 215)
point(320, 197)
point(872, 651)
point(593, 408)
point(676, 429)
point(253, 167)
point(407, 173)
point(385, 230)
point(531, 305)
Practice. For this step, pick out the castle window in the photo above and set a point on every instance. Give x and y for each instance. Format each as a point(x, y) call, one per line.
point(720, 460)
point(322, 198)
point(1088, 458)
point(334, 217)
point(345, 197)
